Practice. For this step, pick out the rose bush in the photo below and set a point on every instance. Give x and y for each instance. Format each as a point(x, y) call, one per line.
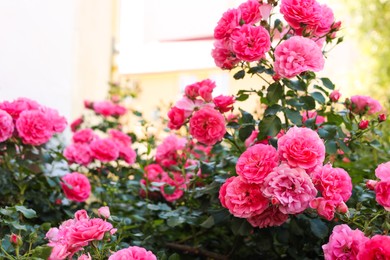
point(306, 179)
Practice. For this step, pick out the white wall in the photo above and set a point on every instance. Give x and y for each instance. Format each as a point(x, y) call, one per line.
point(55, 52)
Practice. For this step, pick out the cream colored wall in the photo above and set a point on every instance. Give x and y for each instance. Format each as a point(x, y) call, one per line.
point(55, 52)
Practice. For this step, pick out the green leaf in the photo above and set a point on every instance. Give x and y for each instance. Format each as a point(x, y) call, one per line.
point(274, 92)
point(245, 132)
point(174, 256)
point(7, 211)
point(295, 103)
point(169, 189)
point(246, 117)
point(242, 97)
point(269, 126)
point(27, 213)
point(208, 223)
point(318, 97)
point(322, 89)
point(335, 118)
point(240, 226)
point(272, 110)
point(294, 116)
point(331, 147)
point(343, 147)
point(327, 83)
point(319, 228)
point(207, 167)
point(175, 221)
point(295, 84)
point(308, 102)
point(239, 75)
point(41, 252)
point(256, 69)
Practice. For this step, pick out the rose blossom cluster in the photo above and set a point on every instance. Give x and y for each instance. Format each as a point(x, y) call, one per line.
point(204, 113)
point(106, 108)
point(75, 234)
point(162, 175)
point(133, 253)
point(273, 183)
point(243, 35)
point(345, 243)
point(88, 146)
point(33, 123)
point(381, 187)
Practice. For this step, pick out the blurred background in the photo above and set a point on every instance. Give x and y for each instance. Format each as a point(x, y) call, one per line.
point(63, 52)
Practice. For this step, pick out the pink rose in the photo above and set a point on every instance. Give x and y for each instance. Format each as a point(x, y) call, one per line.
point(326, 21)
point(128, 155)
point(107, 108)
point(58, 122)
point(85, 257)
point(192, 91)
point(75, 125)
point(87, 230)
point(6, 126)
point(363, 124)
point(174, 186)
point(177, 117)
point(344, 243)
point(271, 217)
point(86, 135)
point(34, 127)
point(19, 105)
point(250, 11)
point(333, 183)
point(251, 140)
point(105, 150)
point(250, 43)
point(382, 171)
point(297, 55)
point(79, 153)
point(133, 252)
point(154, 173)
point(243, 199)
point(335, 95)
point(257, 162)
point(301, 14)
point(363, 104)
point(15, 239)
point(223, 56)
point(289, 188)
point(119, 137)
point(167, 152)
point(222, 191)
point(189, 105)
point(76, 186)
point(207, 125)
point(265, 11)
point(301, 147)
point(312, 114)
point(230, 20)
point(378, 247)
point(325, 207)
point(52, 234)
point(382, 193)
point(81, 214)
point(104, 212)
point(59, 252)
point(224, 103)
point(382, 117)
point(206, 88)
point(123, 142)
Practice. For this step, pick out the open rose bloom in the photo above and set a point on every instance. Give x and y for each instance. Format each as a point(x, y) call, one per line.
point(35, 124)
